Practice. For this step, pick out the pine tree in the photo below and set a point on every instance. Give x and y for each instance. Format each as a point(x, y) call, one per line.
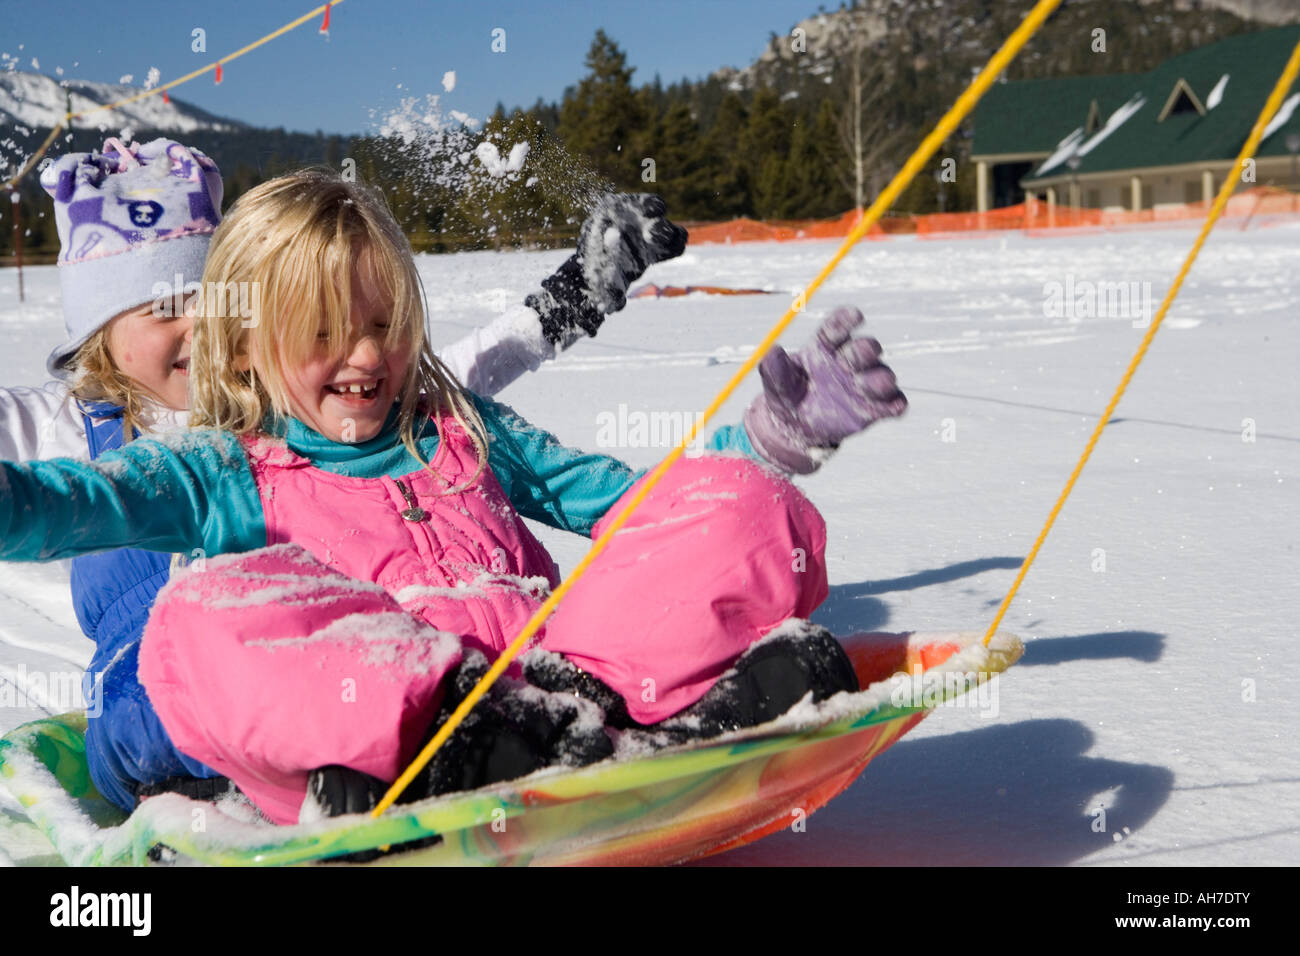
point(765, 146)
point(808, 188)
point(677, 164)
point(724, 170)
point(602, 117)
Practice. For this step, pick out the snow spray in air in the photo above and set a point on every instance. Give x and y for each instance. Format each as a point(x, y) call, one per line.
point(472, 184)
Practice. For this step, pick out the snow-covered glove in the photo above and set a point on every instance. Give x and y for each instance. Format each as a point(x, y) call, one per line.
point(812, 400)
point(624, 235)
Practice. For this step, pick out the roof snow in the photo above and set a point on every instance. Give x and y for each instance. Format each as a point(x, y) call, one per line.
point(1064, 149)
point(1216, 94)
point(1282, 117)
point(1075, 145)
point(1114, 122)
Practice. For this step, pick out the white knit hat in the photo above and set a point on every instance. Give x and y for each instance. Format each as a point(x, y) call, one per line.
point(130, 220)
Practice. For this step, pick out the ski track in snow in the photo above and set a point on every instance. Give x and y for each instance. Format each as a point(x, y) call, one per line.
point(1156, 688)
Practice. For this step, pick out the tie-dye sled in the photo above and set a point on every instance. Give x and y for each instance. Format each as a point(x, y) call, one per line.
point(665, 807)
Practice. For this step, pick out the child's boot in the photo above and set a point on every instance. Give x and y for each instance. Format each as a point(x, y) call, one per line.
point(557, 674)
point(767, 680)
point(773, 675)
point(512, 731)
point(334, 791)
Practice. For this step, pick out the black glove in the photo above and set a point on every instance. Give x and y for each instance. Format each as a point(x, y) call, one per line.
point(624, 235)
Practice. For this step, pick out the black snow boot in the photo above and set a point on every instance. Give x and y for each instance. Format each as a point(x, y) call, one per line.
point(512, 731)
point(555, 673)
point(767, 680)
point(196, 788)
point(334, 791)
point(210, 789)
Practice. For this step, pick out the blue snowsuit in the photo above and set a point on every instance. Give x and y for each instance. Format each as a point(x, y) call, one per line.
point(112, 593)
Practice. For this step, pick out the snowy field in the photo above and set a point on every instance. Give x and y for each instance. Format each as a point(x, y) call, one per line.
point(1160, 616)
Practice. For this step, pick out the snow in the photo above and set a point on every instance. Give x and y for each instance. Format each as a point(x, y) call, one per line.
point(391, 639)
point(1157, 688)
point(491, 159)
point(1282, 116)
point(1076, 145)
point(1216, 94)
point(449, 81)
point(1064, 150)
point(33, 100)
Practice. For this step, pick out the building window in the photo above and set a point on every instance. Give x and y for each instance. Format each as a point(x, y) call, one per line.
point(1182, 104)
point(1092, 199)
point(1181, 100)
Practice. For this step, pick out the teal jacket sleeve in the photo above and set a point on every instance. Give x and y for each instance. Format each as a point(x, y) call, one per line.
point(178, 493)
point(734, 438)
point(560, 486)
point(546, 481)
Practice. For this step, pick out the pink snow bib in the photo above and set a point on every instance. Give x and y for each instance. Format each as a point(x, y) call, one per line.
point(451, 557)
point(321, 648)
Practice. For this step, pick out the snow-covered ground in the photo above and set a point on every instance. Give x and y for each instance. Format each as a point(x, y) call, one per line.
point(1159, 616)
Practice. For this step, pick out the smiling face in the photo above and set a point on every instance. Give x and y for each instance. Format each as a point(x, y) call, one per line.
point(154, 352)
point(346, 393)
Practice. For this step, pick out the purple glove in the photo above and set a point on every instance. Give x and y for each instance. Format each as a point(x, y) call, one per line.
point(832, 388)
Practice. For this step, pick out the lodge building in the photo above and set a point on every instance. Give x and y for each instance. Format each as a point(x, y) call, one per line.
point(1137, 141)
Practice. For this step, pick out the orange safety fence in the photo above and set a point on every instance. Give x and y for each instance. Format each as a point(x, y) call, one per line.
point(784, 230)
point(652, 291)
point(1034, 217)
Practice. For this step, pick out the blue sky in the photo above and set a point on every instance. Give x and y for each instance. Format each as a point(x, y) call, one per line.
point(382, 50)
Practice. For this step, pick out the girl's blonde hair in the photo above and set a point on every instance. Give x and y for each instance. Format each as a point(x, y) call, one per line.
point(286, 253)
point(98, 379)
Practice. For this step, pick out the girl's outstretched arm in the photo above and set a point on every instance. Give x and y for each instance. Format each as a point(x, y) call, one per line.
point(812, 400)
point(565, 487)
point(488, 359)
point(831, 389)
point(623, 236)
point(545, 480)
point(181, 493)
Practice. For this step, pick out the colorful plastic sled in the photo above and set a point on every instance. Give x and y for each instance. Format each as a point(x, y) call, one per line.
point(664, 807)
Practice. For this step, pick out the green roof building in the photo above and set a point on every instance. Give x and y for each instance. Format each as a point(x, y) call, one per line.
point(1139, 140)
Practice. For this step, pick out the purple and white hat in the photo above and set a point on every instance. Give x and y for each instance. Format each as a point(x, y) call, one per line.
point(130, 219)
